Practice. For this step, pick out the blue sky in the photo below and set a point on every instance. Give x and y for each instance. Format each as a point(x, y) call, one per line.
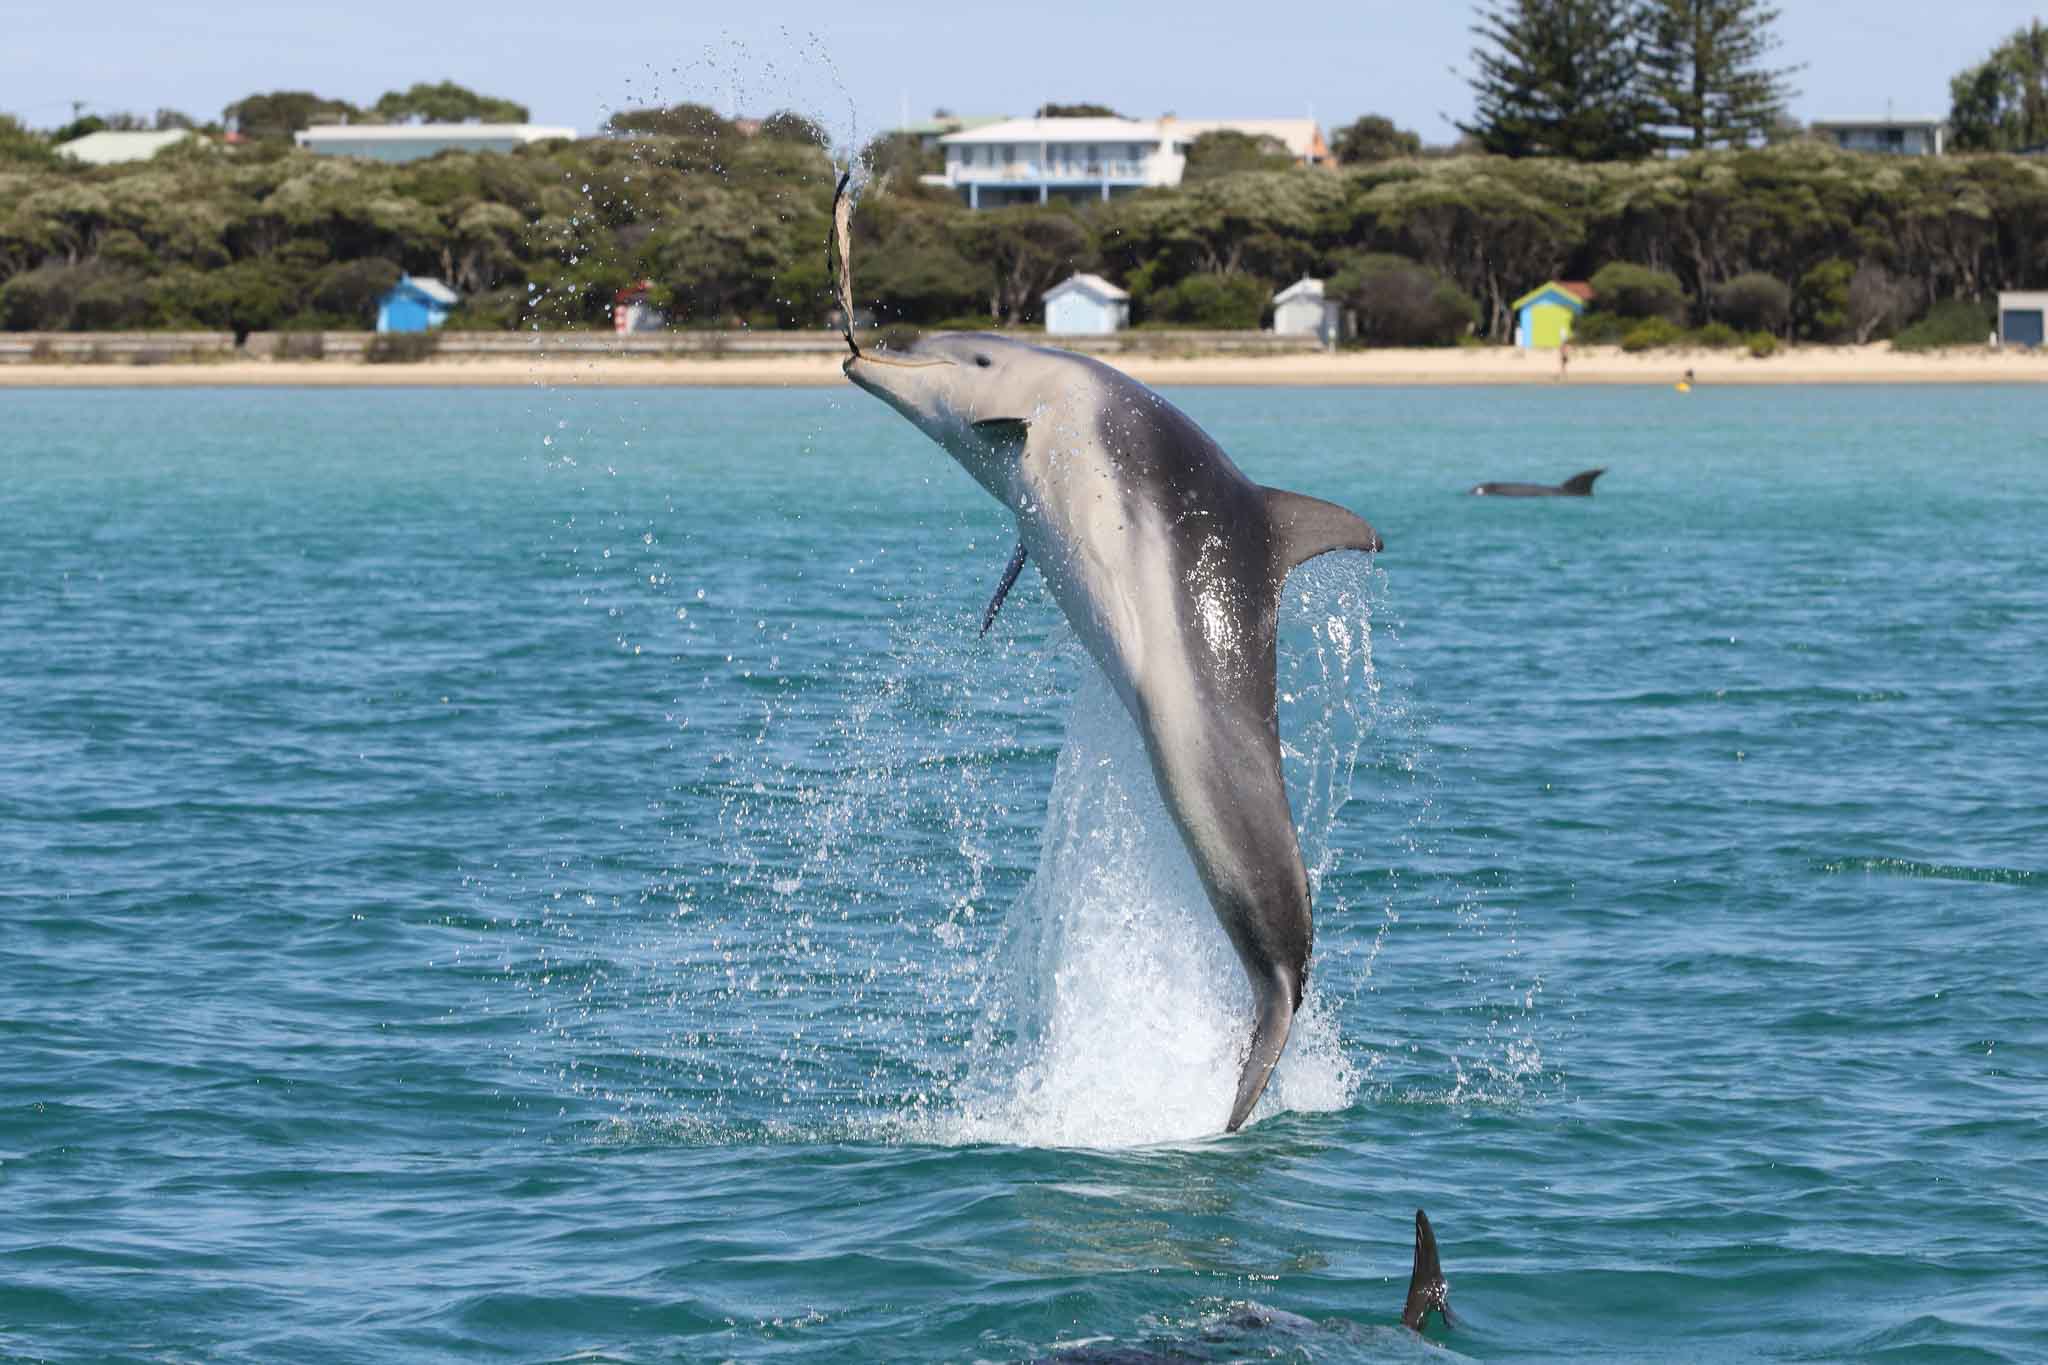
point(856, 64)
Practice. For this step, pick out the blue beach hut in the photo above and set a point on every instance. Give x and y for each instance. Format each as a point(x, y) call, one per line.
point(1544, 316)
point(415, 305)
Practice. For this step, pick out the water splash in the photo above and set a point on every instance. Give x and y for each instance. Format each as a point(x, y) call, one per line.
point(1122, 1011)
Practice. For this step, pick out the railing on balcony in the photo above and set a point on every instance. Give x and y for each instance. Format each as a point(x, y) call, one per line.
point(1047, 172)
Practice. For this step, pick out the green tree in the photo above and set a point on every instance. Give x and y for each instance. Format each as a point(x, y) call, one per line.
point(1704, 71)
point(1400, 303)
point(275, 116)
point(1561, 78)
point(1754, 302)
point(1635, 291)
point(1024, 251)
point(18, 144)
point(787, 126)
point(1231, 302)
point(1226, 152)
point(446, 102)
point(672, 120)
point(1076, 111)
point(1373, 138)
point(2001, 104)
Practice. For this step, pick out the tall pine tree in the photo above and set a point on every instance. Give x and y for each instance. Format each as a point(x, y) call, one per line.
point(1704, 72)
point(1561, 78)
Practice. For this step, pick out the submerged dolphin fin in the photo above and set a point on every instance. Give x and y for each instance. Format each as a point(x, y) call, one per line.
point(1273, 1006)
point(1428, 1291)
point(1305, 527)
point(1581, 485)
point(995, 604)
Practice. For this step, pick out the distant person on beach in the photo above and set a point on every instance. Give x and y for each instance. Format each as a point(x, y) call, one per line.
point(1564, 360)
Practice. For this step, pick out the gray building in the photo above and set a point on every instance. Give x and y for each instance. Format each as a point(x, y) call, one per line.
point(1086, 305)
point(1886, 136)
point(2022, 317)
point(417, 141)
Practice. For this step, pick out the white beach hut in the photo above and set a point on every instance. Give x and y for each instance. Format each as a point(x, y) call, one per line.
point(1086, 305)
point(1300, 310)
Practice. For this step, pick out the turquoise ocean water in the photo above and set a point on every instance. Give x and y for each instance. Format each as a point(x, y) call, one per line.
point(549, 875)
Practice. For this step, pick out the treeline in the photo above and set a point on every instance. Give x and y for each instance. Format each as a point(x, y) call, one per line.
point(729, 227)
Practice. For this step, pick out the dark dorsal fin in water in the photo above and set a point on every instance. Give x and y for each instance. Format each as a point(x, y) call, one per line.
point(1427, 1291)
point(1305, 527)
point(1581, 485)
point(995, 604)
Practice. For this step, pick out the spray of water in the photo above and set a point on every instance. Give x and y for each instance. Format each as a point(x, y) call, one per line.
point(1120, 1012)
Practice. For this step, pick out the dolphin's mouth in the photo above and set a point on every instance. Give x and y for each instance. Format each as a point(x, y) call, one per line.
point(907, 363)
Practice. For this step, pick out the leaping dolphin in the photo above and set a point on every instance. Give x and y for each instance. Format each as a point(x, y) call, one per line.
point(1168, 563)
point(1577, 486)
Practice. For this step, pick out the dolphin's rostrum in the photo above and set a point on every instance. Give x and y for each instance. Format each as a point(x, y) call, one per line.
point(1168, 563)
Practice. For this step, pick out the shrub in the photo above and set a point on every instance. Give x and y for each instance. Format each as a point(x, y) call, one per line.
point(109, 300)
point(1652, 334)
point(353, 289)
point(1636, 291)
point(1952, 322)
point(1717, 336)
point(1600, 329)
point(401, 348)
point(1220, 301)
point(1762, 344)
point(38, 300)
point(1754, 302)
point(1399, 302)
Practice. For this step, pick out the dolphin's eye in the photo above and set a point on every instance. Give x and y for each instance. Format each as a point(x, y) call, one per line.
point(983, 361)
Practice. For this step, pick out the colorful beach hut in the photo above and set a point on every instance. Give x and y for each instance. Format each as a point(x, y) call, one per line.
point(415, 304)
point(1544, 316)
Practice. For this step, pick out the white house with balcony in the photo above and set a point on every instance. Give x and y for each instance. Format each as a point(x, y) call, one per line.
point(1037, 160)
point(1885, 136)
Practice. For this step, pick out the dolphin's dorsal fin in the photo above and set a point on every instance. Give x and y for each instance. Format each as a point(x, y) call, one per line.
point(1428, 1292)
point(1582, 484)
point(1306, 527)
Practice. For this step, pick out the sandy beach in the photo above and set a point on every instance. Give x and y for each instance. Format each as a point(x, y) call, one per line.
point(1493, 365)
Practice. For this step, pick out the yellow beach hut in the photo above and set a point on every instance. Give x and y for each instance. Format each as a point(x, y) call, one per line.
point(1544, 316)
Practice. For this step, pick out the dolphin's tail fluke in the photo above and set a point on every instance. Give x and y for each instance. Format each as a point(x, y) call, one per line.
point(1428, 1292)
point(1581, 485)
point(1273, 1018)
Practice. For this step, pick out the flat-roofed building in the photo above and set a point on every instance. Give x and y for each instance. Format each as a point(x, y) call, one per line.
point(1886, 136)
point(417, 141)
point(2022, 317)
point(1037, 160)
point(107, 148)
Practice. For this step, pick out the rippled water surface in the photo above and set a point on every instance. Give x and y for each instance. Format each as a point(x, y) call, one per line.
point(545, 875)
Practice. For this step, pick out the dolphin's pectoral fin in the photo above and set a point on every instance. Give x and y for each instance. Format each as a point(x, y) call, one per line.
point(1428, 1292)
point(1581, 485)
point(1002, 431)
point(1306, 527)
point(995, 604)
point(1273, 1011)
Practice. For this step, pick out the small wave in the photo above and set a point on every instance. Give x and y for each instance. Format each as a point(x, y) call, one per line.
point(1948, 872)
